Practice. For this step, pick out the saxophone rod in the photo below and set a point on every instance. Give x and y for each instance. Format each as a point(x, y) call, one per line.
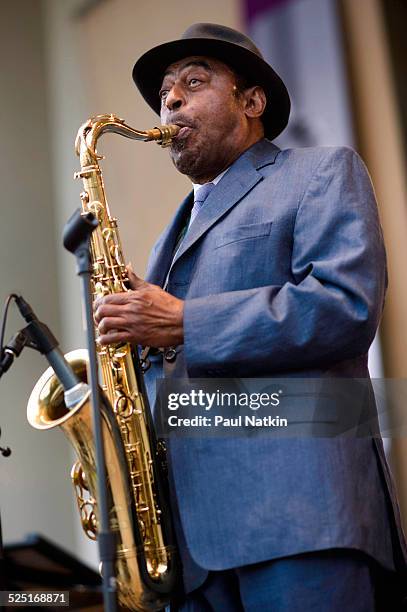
point(76, 238)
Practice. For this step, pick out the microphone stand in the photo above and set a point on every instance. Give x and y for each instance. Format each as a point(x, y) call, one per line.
point(76, 238)
point(3, 585)
point(6, 452)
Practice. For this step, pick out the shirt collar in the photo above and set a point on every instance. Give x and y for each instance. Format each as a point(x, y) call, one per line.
point(215, 181)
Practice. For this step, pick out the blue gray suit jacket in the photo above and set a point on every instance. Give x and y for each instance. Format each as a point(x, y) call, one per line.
point(283, 274)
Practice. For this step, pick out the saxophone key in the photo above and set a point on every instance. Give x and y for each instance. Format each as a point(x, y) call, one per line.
point(123, 406)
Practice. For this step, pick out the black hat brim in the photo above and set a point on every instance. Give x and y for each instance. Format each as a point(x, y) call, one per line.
point(149, 70)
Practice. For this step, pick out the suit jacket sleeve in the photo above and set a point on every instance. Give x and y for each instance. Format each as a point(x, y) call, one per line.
point(332, 310)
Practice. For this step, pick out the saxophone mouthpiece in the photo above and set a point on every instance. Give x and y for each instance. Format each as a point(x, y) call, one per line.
point(163, 134)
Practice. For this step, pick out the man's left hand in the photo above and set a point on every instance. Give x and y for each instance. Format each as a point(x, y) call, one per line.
point(147, 315)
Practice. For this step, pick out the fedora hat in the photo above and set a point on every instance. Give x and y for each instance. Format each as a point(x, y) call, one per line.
point(225, 44)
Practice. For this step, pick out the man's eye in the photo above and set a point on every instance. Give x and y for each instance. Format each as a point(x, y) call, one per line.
point(163, 94)
point(194, 82)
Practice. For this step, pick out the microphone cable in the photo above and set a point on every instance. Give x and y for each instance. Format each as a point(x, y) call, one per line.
point(12, 296)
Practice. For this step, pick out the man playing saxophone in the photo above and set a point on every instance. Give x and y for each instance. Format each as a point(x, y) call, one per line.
point(273, 264)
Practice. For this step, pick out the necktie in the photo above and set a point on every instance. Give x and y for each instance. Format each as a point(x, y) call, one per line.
point(200, 197)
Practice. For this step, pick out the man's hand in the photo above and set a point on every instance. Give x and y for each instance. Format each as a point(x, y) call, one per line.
point(147, 315)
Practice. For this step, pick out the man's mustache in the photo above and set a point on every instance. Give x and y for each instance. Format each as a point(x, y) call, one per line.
point(181, 120)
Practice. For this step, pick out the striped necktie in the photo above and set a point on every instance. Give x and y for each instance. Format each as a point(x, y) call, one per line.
point(199, 199)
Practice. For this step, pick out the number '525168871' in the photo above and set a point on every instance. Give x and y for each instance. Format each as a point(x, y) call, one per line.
point(34, 598)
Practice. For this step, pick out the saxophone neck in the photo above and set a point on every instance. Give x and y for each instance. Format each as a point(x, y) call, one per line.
point(91, 130)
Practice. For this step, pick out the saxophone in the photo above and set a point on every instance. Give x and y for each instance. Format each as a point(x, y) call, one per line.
point(146, 558)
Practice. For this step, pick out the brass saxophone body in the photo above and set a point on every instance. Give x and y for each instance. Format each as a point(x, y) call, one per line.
point(146, 558)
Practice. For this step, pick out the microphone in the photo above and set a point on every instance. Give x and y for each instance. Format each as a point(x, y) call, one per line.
point(6, 452)
point(40, 337)
point(12, 350)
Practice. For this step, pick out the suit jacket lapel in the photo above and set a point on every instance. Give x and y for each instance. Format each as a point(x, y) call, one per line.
point(163, 250)
point(241, 177)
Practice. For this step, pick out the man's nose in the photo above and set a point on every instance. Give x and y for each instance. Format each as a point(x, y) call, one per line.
point(175, 98)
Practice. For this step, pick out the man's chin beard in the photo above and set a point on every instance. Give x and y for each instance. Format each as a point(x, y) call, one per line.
point(186, 162)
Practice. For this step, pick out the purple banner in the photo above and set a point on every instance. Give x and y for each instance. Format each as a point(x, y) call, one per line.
point(252, 8)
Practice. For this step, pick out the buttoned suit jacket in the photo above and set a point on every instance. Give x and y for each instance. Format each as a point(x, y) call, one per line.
point(283, 273)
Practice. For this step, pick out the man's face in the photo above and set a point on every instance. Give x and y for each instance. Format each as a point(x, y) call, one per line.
point(199, 93)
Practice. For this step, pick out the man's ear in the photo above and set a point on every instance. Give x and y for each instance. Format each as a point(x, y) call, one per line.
point(255, 101)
